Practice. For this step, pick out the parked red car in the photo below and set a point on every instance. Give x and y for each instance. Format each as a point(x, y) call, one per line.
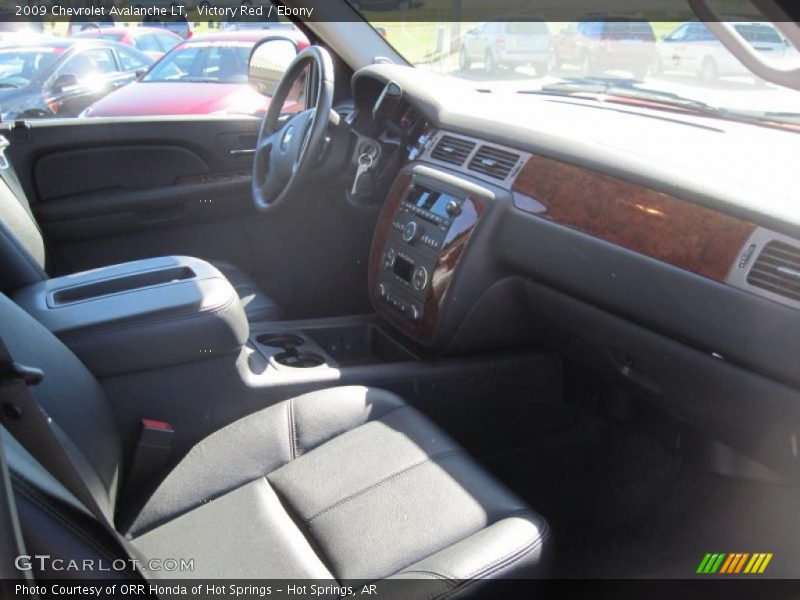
point(204, 75)
point(153, 41)
point(595, 46)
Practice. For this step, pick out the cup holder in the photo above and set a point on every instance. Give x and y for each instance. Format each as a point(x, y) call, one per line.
point(287, 341)
point(299, 360)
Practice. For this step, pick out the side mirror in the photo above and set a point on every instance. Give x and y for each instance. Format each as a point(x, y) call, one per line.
point(269, 60)
point(64, 81)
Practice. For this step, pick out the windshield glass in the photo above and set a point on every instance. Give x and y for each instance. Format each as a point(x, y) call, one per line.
point(211, 62)
point(18, 66)
point(664, 63)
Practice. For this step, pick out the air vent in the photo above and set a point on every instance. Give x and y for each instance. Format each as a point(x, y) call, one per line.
point(777, 270)
point(452, 150)
point(494, 162)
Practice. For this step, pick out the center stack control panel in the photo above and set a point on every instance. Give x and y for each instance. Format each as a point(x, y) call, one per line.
point(417, 236)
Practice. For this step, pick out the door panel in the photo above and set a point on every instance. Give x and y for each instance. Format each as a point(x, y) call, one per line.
point(107, 191)
point(110, 168)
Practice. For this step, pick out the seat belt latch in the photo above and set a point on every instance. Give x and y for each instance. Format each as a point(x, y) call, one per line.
point(152, 452)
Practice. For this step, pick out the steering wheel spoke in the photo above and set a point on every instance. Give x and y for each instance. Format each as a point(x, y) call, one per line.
point(285, 150)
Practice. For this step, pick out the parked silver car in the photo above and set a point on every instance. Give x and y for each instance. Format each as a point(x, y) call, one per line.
point(507, 44)
point(693, 48)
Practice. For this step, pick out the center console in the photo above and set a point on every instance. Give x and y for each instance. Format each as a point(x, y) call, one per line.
point(141, 315)
point(423, 231)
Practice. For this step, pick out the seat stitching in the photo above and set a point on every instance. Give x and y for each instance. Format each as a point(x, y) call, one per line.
point(465, 585)
point(433, 574)
point(527, 546)
point(502, 563)
point(516, 555)
point(387, 479)
point(292, 429)
point(351, 429)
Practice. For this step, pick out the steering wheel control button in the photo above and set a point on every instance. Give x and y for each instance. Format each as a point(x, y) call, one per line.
point(420, 278)
point(388, 259)
point(411, 232)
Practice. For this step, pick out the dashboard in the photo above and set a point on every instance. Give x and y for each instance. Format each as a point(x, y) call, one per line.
point(468, 214)
point(646, 248)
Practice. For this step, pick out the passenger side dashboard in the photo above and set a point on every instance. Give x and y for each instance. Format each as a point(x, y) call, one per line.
point(642, 263)
point(718, 283)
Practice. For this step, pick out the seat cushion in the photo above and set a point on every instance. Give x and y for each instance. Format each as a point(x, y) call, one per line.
point(257, 305)
point(349, 483)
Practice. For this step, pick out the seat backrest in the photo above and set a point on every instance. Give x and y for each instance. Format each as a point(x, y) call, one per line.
point(72, 397)
point(22, 247)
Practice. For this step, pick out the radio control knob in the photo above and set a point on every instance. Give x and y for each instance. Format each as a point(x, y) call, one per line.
point(411, 232)
point(453, 208)
point(420, 278)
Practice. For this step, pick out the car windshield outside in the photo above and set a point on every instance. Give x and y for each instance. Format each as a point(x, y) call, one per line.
point(19, 66)
point(666, 64)
point(214, 62)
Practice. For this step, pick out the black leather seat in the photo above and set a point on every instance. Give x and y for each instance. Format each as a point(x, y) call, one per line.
point(347, 484)
point(24, 258)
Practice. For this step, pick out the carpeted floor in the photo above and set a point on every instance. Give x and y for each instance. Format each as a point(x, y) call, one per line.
point(621, 506)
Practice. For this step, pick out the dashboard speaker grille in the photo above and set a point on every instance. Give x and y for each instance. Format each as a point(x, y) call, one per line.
point(777, 270)
point(453, 150)
point(494, 162)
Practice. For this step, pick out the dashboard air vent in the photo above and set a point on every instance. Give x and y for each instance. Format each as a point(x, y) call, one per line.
point(494, 162)
point(452, 150)
point(777, 270)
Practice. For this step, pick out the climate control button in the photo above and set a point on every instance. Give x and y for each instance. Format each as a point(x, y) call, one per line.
point(420, 278)
point(388, 259)
point(411, 232)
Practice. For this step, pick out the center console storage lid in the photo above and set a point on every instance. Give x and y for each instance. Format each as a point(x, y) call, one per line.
point(141, 315)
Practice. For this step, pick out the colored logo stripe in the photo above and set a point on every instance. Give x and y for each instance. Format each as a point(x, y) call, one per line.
point(758, 563)
point(736, 562)
point(710, 563)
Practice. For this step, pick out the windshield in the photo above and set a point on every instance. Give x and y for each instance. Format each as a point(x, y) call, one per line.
point(209, 62)
point(18, 66)
point(665, 63)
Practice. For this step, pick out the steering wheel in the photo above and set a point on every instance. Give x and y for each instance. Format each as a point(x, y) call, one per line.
point(286, 152)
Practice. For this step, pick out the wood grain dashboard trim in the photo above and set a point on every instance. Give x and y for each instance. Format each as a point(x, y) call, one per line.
point(652, 223)
point(455, 244)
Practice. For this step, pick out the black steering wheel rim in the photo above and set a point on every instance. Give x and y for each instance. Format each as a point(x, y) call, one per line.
point(286, 151)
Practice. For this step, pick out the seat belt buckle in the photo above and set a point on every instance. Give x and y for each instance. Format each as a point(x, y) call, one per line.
point(14, 370)
point(153, 451)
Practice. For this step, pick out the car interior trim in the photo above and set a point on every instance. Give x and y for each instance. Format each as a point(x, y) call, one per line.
point(685, 235)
